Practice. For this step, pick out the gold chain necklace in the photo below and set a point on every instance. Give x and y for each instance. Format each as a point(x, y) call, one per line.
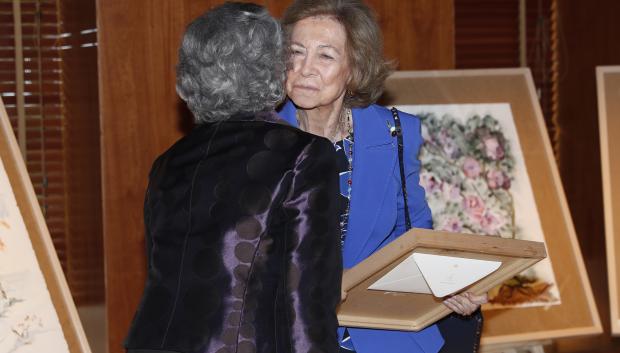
point(345, 124)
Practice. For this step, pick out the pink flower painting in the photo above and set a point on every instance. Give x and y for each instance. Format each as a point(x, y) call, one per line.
point(468, 172)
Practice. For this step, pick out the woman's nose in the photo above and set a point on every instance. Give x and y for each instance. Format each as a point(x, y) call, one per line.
point(307, 66)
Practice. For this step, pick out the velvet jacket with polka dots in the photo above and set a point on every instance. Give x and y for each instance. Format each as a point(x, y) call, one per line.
point(242, 243)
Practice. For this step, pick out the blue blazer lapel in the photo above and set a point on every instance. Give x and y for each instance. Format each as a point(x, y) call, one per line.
point(374, 158)
point(288, 112)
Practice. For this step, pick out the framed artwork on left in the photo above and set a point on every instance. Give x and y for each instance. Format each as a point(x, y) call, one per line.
point(37, 313)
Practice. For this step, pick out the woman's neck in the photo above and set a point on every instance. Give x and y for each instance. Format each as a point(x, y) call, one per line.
point(323, 121)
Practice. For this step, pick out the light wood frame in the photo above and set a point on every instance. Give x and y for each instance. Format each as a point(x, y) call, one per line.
point(40, 238)
point(410, 311)
point(577, 314)
point(608, 89)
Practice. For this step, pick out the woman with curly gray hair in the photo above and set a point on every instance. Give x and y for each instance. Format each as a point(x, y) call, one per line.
point(242, 236)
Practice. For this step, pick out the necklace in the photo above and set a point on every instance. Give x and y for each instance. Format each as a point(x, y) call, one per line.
point(343, 129)
point(344, 217)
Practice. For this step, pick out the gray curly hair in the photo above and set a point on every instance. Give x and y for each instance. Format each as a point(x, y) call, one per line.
point(231, 62)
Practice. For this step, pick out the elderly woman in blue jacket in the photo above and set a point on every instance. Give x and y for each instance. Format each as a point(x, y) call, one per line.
point(336, 72)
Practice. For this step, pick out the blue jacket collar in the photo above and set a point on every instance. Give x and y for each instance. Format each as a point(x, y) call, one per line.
point(366, 121)
point(374, 159)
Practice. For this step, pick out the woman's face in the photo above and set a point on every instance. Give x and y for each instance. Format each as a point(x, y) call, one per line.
point(320, 68)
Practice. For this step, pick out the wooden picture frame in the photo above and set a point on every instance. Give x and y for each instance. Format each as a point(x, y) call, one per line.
point(369, 308)
point(608, 89)
point(577, 314)
point(40, 239)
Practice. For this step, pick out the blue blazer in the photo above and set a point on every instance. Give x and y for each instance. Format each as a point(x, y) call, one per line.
point(377, 211)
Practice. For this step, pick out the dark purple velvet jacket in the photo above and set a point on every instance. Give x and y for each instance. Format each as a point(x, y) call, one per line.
point(242, 243)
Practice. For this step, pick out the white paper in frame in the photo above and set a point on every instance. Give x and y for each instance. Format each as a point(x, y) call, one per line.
point(439, 275)
point(37, 311)
point(575, 314)
point(29, 321)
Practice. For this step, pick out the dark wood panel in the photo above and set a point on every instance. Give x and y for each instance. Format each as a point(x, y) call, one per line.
point(141, 115)
point(584, 44)
point(139, 119)
point(82, 154)
point(418, 34)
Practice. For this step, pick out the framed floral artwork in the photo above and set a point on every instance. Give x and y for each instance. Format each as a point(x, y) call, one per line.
point(488, 168)
point(608, 87)
point(475, 180)
point(37, 313)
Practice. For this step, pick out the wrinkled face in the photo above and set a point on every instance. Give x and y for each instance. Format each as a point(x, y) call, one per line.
point(320, 67)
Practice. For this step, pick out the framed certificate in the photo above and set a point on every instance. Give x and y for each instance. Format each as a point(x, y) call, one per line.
point(401, 286)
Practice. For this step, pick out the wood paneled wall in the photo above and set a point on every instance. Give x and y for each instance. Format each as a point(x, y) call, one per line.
point(418, 34)
point(141, 115)
point(584, 44)
point(84, 269)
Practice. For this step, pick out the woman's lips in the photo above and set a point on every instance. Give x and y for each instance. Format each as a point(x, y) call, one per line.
point(305, 88)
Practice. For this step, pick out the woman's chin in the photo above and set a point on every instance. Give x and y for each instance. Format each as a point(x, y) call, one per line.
point(303, 102)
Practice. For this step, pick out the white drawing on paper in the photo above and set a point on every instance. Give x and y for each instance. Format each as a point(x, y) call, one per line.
point(28, 320)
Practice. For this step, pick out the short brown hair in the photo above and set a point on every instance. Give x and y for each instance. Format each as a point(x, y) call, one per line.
point(369, 69)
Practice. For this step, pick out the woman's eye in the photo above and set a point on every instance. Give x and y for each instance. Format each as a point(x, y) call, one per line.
point(327, 56)
point(296, 52)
